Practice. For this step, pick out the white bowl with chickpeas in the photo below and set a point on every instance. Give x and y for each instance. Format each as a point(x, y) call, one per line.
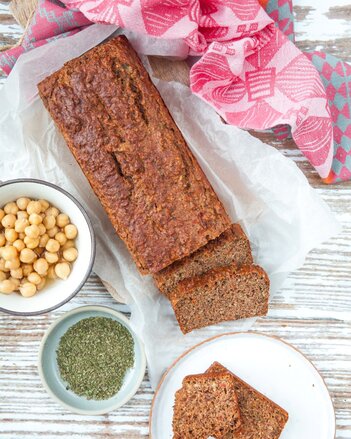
point(47, 247)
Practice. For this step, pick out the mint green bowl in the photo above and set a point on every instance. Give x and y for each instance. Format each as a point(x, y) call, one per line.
point(50, 375)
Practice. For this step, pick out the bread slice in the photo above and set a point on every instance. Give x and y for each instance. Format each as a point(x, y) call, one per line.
point(221, 294)
point(205, 406)
point(261, 418)
point(231, 246)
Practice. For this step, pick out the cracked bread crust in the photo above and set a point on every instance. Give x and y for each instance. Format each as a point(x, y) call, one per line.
point(122, 135)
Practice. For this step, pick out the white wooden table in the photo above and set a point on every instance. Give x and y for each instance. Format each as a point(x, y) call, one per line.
point(312, 311)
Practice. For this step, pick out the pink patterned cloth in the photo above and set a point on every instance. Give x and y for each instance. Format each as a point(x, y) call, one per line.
point(50, 21)
point(250, 72)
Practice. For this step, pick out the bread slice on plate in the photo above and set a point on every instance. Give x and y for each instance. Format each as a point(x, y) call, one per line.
point(231, 246)
point(261, 418)
point(221, 294)
point(206, 406)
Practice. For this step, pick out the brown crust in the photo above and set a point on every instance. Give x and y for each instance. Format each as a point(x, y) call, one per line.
point(122, 135)
point(222, 294)
point(194, 383)
point(197, 263)
point(211, 277)
point(246, 392)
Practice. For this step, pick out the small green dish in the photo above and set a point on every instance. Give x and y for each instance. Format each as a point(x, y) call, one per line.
point(50, 375)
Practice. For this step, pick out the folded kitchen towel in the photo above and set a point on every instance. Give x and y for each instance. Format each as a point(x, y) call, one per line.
point(250, 71)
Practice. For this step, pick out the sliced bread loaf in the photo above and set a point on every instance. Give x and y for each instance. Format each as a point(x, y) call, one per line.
point(221, 294)
point(231, 246)
point(261, 418)
point(205, 406)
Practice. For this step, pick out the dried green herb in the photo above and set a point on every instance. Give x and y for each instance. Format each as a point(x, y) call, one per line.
point(94, 356)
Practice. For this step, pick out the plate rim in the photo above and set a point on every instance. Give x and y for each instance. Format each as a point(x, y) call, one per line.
point(184, 354)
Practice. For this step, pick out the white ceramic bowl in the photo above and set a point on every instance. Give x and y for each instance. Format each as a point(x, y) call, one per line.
point(57, 292)
point(50, 374)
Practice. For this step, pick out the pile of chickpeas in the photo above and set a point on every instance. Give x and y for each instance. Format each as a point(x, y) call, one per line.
point(36, 244)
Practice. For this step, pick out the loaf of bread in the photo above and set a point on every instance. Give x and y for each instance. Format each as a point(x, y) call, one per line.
point(231, 246)
point(221, 294)
point(119, 130)
point(261, 418)
point(205, 406)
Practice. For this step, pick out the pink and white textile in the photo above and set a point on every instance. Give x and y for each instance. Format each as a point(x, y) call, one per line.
point(250, 72)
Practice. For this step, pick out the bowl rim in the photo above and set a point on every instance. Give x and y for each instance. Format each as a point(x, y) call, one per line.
point(92, 240)
point(142, 364)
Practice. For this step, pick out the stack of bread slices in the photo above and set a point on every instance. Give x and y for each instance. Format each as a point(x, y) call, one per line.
point(218, 282)
point(219, 404)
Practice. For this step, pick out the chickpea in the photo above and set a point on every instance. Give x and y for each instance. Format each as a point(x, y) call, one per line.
point(34, 278)
point(2, 266)
point(2, 240)
point(7, 286)
point(16, 282)
point(49, 221)
point(22, 203)
point(2, 276)
point(41, 266)
point(9, 221)
point(44, 204)
point(13, 264)
point(32, 231)
point(31, 243)
point(17, 273)
point(11, 208)
point(21, 224)
point(53, 232)
point(44, 240)
point(71, 231)
point(42, 284)
point(22, 215)
point(28, 289)
point(52, 246)
point(27, 269)
point(71, 254)
point(9, 253)
point(21, 236)
point(62, 270)
point(69, 244)
point(42, 229)
point(51, 272)
point(27, 256)
point(52, 258)
point(11, 235)
point(2, 214)
point(62, 220)
point(34, 207)
point(19, 245)
point(52, 211)
point(61, 238)
point(35, 219)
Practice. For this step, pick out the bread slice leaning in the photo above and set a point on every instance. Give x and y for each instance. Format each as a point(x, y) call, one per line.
point(261, 418)
point(221, 294)
point(206, 406)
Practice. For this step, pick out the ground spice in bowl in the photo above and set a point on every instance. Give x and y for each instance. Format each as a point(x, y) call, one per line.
point(94, 356)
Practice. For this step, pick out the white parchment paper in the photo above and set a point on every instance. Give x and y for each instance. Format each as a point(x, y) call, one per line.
point(260, 188)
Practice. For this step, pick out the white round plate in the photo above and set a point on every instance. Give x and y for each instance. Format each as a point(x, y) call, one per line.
point(268, 364)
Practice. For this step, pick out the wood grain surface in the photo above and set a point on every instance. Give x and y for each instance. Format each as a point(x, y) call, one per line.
point(312, 311)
